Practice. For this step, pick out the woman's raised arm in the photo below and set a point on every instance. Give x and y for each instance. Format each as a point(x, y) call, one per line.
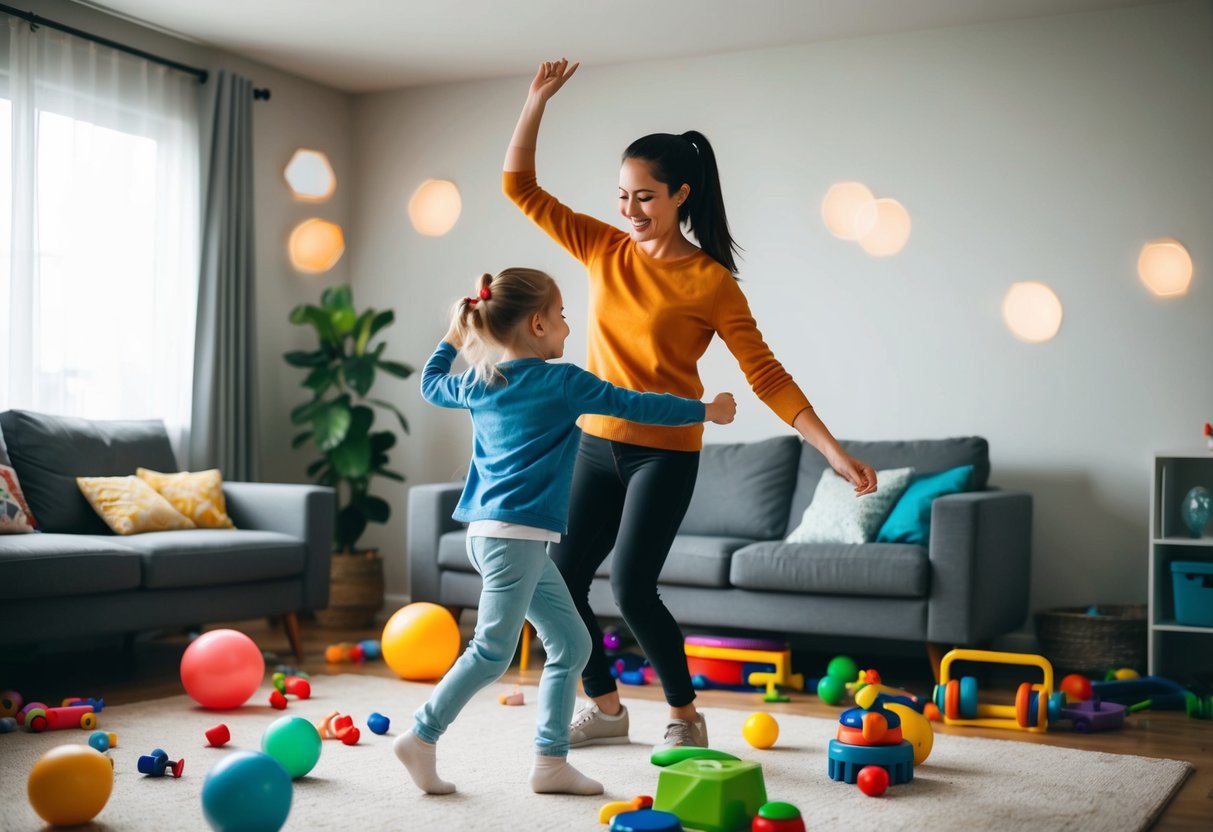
point(548, 80)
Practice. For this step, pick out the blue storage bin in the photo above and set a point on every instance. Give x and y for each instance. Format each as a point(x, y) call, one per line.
point(1193, 583)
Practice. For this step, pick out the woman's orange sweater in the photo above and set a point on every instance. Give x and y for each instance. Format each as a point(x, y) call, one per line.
point(651, 320)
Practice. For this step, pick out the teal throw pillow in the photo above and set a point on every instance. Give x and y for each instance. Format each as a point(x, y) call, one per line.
point(836, 515)
point(910, 520)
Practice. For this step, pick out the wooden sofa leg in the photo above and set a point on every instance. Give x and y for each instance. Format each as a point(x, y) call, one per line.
point(290, 623)
point(935, 654)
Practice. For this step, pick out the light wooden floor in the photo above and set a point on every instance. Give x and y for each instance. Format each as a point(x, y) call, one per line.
point(150, 671)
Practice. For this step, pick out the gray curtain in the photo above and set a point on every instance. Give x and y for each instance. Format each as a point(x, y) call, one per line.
point(223, 430)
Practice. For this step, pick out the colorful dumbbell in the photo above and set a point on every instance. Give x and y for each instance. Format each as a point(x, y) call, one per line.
point(155, 763)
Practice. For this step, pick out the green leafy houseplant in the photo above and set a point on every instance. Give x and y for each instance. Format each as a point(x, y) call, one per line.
point(340, 421)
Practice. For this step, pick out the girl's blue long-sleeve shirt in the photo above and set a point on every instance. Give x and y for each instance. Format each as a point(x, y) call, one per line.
point(525, 434)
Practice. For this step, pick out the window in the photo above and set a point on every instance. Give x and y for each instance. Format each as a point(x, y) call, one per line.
point(99, 230)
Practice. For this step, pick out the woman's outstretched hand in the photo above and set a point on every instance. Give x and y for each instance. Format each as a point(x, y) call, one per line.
point(550, 78)
point(721, 410)
point(859, 474)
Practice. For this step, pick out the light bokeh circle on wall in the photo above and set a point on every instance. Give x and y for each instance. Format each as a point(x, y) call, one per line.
point(842, 207)
point(890, 228)
point(1165, 266)
point(316, 245)
point(310, 176)
point(1032, 311)
point(435, 207)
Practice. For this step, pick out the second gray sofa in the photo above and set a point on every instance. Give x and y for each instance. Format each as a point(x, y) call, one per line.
point(730, 567)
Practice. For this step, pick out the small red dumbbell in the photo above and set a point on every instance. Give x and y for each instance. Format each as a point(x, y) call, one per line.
point(277, 700)
point(351, 736)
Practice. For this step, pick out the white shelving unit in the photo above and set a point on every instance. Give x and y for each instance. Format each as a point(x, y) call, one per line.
point(1176, 648)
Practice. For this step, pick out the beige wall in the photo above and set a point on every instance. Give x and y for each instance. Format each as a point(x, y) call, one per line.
point(1046, 149)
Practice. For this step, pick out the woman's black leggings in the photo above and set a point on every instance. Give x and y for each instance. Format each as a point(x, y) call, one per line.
point(631, 498)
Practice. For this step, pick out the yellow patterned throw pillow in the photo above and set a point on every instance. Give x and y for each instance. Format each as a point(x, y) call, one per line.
point(198, 495)
point(128, 505)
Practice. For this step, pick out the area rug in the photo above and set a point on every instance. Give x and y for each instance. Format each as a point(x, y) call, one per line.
point(968, 783)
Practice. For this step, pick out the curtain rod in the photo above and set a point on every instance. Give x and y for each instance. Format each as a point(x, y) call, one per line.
point(37, 20)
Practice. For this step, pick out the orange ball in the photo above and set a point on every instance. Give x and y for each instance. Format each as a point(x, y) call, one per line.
point(421, 641)
point(70, 784)
point(1076, 687)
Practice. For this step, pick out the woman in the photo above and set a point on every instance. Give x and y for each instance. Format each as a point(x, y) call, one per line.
point(656, 301)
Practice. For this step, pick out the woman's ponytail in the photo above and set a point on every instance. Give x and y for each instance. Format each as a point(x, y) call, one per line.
point(706, 214)
point(688, 159)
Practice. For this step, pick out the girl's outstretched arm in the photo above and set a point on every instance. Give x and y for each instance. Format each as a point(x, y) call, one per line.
point(520, 156)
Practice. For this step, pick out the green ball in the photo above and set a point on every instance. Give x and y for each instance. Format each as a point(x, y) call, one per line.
point(831, 689)
point(294, 742)
point(844, 668)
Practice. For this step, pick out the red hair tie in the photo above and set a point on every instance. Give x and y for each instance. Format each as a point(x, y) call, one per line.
point(472, 301)
point(485, 294)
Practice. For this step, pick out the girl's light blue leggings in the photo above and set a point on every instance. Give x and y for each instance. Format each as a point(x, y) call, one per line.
point(520, 582)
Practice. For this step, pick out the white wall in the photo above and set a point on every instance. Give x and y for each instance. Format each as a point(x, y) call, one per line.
point(1046, 149)
point(299, 114)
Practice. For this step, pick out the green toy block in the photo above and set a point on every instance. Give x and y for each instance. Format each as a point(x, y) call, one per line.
point(712, 795)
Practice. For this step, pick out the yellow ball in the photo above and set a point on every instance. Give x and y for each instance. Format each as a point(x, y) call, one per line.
point(915, 729)
point(760, 730)
point(70, 784)
point(421, 641)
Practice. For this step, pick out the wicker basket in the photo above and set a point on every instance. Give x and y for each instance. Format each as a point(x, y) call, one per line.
point(1076, 642)
point(355, 592)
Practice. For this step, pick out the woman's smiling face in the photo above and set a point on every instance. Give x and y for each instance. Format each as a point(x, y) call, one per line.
point(648, 206)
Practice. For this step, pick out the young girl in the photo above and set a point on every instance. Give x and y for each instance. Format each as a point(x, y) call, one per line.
point(525, 438)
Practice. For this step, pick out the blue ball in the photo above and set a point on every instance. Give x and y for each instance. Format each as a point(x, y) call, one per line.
point(247, 791)
point(371, 649)
point(100, 741)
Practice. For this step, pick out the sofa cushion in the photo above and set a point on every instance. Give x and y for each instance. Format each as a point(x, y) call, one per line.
point(52, 565)
point(453, 553)
point(211, 557)
point(836, 515)
point(49, 452)
point(925, 456)
point(910, 520)
point(890, 570)
point(15, 514)
point(128, 505)
point(694, 560)
point(743, 490)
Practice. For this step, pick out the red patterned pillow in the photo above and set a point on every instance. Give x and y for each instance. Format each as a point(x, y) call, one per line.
point(15, 516)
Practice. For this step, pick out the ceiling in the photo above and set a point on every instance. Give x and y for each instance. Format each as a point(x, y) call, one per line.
point(370, 45)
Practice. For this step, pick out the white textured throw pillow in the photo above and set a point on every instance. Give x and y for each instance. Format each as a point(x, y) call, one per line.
point(836, 515)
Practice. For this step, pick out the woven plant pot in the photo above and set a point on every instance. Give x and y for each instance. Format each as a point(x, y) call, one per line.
point(355, 591)
point(1076, 642)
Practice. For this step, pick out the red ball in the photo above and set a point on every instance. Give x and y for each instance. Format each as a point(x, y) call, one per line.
point(222, 669)
point(872, 781)
point(1077, 688)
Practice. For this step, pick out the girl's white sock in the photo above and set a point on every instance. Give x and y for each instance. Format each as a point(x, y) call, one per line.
point(554, 775)
point(421, 761)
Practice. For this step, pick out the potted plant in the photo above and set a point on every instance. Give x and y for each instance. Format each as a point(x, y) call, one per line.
point(340, 419)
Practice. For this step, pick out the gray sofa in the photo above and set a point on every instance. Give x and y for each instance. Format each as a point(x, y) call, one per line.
point(730, 568)
point(74, 578)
